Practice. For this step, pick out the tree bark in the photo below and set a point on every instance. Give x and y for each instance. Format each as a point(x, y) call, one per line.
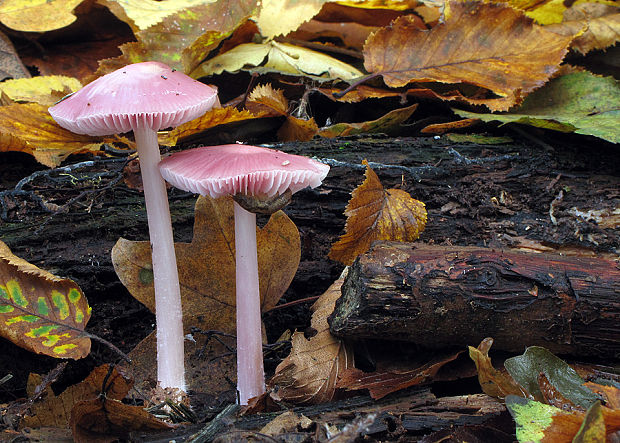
point(456, 296)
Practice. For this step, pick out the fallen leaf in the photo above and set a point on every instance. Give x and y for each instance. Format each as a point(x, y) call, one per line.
point(40, 89)
point(41, 312)
point(308, 375)
point(505, 52)
point(37, 15)
point(442, 128)
point(29, 128)
point(599, 22)
point(270, 101)
point(102, 420)
point(278, 57)
point(495, 383)
point(210, 119)
point(11, 65)
point(610, 393)
point(592, 428)
point(55, 410)
point(525, 370)
point(207, 264)
point(374, 213)
point(538, 422)
point(552, 11)
point(277, 17)
point(360, 93)
point(389, 123)
point(352, 35)
point(365, 12)
point(580, 102)
point(385, 381)
point(181, 36)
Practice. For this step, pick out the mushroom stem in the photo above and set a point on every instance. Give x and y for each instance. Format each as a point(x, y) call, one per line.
point(250, 372)
point(168, 313)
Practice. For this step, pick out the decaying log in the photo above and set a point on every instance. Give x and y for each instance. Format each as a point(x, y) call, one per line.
point(445, 296)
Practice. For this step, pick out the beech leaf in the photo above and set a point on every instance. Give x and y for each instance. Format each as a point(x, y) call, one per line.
point(37, 15)
point(278, 57)
point(29, 128)
point(492, 46)
point(374, 213)
point(41, 312)
point(45, 90)
point(308, 375)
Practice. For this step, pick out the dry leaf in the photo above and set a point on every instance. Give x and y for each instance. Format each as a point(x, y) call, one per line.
point(442, 128)
point(597, 26)
point(41, 312)
point(55, 410)
point(374, 213)
point(493, 382)
point(388, 123)
point(207, 264)
point(385, 381)
point(207, 278)
point(212, 118)
point(40, 89)
point(309, 374)
point(360, 93)
point(37, 15)
point(352, 35)
point(492, 46)
point(29, 128)
point(278, 57)
point(103, 420)
point(297, 129)
point(11, 65)
point(277, 17)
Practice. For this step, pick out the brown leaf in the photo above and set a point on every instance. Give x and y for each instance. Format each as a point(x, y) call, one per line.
point(442, 128)
point(388, 123)
point(10, 64)
point(374, 213)
point(41, 312)
point(552, 396)
point(29, 128)
point(207, 278)
point(297, 129)
point(54, 410)
point(385, 381)
point(596, 24)
point(362, 92)
point(103, 420)
point(493, 382)
point(610, 393)
point(309, 374)
point(352, 35)
point(492, 46)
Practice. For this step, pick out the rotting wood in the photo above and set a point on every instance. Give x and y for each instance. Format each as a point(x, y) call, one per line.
point(439, 297)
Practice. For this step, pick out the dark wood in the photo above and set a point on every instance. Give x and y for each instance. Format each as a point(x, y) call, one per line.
point(456, 296)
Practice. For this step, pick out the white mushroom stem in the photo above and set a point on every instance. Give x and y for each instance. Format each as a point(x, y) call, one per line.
point(168, 313)
point(250, 372)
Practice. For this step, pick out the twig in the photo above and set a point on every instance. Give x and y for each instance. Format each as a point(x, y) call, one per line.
point(294, 302)
point(215, 426)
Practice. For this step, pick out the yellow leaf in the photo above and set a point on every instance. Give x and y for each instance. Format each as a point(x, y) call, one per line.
point(310, 372)
point(40, 89)
point(374, 213)
point(266, 98)
point(39, 311)
point(29, 128)
point(279, 57)
point(37, 15)
point(142, 14)
point(277, 17)
point(492, 46)
point(212, 118)
point(552, 11)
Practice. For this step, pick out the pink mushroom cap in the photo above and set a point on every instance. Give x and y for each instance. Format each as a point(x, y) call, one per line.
point(241, 169)
point(149, 94)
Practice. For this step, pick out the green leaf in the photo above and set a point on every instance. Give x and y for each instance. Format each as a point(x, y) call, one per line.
point(41, 312)
point(525, 370)
point(580, 102)
point(593, 427)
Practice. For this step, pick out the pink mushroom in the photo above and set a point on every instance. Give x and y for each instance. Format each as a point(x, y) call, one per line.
point(144, 98)
point(256, 177)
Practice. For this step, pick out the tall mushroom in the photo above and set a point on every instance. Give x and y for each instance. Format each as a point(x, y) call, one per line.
point(144, 98)
point(260, 180)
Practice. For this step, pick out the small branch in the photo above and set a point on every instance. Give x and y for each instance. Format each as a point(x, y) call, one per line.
point(355, 85)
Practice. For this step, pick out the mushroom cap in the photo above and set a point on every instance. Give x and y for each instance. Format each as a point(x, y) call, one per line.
point(149, 94)
point(241, 169)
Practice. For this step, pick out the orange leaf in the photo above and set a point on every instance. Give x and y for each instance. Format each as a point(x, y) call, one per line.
point(489, 45)
point(264, 98)
point(29, 128)
point(493, 382)
point(374, 213)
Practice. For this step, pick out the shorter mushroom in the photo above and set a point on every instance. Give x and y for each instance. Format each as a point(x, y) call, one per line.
point(260, 180)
